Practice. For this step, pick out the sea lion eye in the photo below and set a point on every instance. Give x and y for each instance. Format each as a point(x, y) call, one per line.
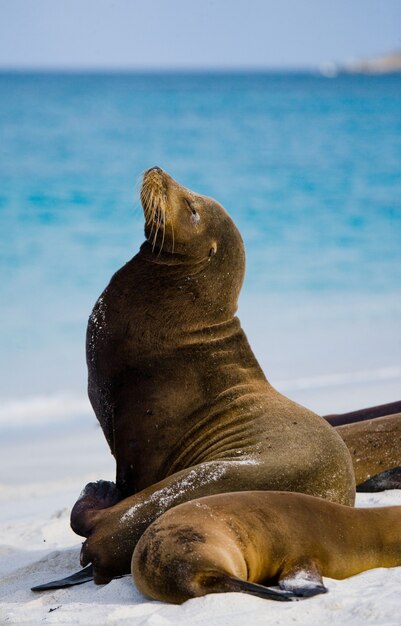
point(190, 207)
point(195, 219)
point(212, 251)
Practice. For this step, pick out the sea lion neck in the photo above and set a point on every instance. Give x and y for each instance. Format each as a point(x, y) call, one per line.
point(180, 292)
point(167, 258)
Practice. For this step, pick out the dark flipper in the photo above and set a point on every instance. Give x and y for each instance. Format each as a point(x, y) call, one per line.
point(391, 479)
point(95, 497)
point(303, 580)
point(236, 584)
point(83, 576)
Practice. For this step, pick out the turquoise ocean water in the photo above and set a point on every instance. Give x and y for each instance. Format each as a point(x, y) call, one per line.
point(309, 168)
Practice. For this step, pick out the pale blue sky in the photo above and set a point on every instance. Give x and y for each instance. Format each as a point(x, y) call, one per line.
point(144, 34)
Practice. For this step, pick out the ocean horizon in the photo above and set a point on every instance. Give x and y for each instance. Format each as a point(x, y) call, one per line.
point(309, 167)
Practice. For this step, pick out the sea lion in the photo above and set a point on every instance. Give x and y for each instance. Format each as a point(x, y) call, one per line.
point(375, 447)
point(182, 400)
point(369, 413)
point(244, 541)
point(373, 436)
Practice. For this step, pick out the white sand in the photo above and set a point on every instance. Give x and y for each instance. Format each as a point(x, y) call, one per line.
point(42, 472)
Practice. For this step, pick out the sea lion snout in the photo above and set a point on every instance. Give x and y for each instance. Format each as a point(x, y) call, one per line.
point(154, 201)
point(155, 168)
point(156, 179)
point(171, 212)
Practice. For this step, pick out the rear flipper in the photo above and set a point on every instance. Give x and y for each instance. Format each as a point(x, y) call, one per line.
point(94, 497)
point(254, 589)
point(83, 576)
point(304, 581)
point(391, 479)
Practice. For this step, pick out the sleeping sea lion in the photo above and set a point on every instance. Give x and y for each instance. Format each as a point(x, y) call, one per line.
point(246, 541)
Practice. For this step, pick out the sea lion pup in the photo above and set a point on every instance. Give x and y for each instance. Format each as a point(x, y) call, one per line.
point(244, 541)
point(182, 400)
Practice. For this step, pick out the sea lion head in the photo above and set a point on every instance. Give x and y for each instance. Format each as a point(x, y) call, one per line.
point(180, 221)
point(185, 228)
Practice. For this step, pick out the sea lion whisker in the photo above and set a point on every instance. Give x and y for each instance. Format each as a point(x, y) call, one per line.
point(155, 221)
point(152, 212)
point(163, 223)
point(148, 195)
point(147, 198)
point(144, 194)
point(152, 222)
point(156, 232)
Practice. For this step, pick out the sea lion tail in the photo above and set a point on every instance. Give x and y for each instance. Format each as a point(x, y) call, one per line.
point(244, 586)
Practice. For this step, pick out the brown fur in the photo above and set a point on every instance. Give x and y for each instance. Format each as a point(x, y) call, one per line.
point(182, 401)
point(280, 538)
point(374, 444)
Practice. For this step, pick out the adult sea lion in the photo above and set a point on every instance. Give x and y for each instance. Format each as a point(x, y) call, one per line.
point(245, 541)
point(182, 400)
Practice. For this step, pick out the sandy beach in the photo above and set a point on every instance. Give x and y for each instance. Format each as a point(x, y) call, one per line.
point(43, 469)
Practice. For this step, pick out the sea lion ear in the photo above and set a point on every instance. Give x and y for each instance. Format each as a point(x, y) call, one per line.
point(213, 250)
point(303, 580)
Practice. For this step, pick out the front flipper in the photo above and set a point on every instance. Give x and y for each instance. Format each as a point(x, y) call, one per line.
point(95, 496)
point(83, 576)
point(254, 589)
point(116, 530)
point(303, 580)
point(391, 479)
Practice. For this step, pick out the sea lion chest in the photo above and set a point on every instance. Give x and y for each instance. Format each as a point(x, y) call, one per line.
point(154, 376)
